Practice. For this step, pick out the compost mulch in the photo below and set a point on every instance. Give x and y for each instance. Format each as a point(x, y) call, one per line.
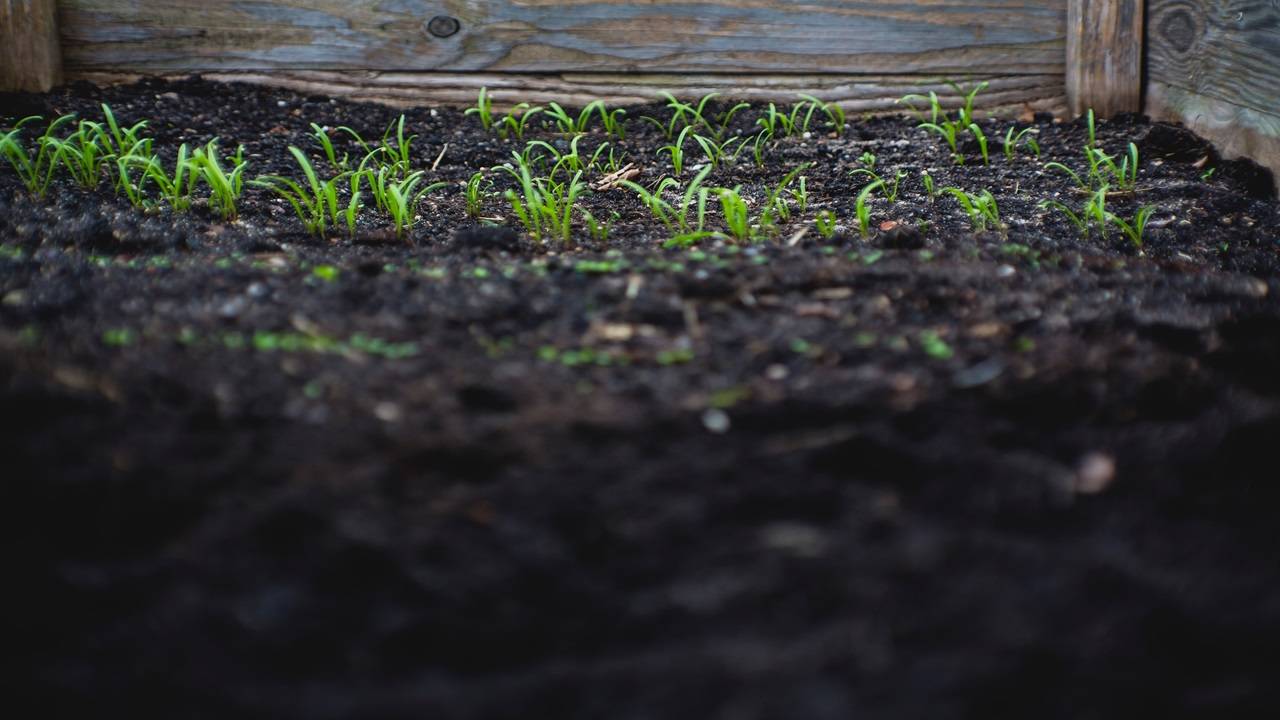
point(927, 474)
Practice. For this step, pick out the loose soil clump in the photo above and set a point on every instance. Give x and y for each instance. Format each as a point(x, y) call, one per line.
point(929, 472)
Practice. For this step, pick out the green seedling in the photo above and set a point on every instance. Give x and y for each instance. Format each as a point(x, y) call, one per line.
point(225, 187)
point(948, 132)
point(316, 205)
point(939, 123)
point(684, 115)
point(982, 142)
point(759, 145)
point(717, 152)
point(801, 194)
point(543, 206)
point(862, 210)
point(1081, 223)
point(927, 180)
point(737, 216)
point(597, 230)
point(1135, 229)
point(890, 190)
point(775, 123)
point(775, 205)
point(515, 123)
point(676, 151)
point(980, 207)
point(396, 148)
point(1104, 170)
point(868, 159)
point(475, 192)
point(326, 146)
point(399, 197)
point(1025, 137)
point(833, 111)
point(35, 167)
point(613, 122)
point(825, 223)
point(483, 109)
point(569, 125)
point(676, 218)
point(85, 153)
point(176, 189)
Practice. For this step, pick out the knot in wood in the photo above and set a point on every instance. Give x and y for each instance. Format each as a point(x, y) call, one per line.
point(442, 26)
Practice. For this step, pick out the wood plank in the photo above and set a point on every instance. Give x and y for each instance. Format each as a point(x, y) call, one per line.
point(1235, 130)
point(1104, 56)
point(1214, 65)
point(30, 58)
point(1012, 94)
point(1223, 49)
point(862, 36)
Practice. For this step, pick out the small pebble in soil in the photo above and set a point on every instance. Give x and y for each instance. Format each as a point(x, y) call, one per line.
point(715, 420)
point(388, 412)
point(979, 374)
point(1094, 473)
point(233, 307)
point(794, 538)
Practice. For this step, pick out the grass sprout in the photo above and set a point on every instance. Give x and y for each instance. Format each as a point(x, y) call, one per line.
point(596, 229)
point(676, 218)
point(833, 111)
point(316, 204)
point(863, 210)
point(399, 197)
point(475, 192)
point(825, 223)
point(982, 142)
point(940, 123)
point(1135, 228)
point(980, 207)
point(515, 122)
point(225, 187)
point(35, 166)
point(86, 153)
point(889, 189)
point(177, 189)
point(543, 206)
point(483, 109)
point(1025, 137)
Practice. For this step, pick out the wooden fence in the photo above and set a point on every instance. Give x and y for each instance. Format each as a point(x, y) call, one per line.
point(1211, 64)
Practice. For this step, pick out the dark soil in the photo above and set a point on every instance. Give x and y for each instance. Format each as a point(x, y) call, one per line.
point(251, 473)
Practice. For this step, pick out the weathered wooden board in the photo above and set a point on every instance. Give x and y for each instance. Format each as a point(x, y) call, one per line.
point(830, 36)
point(29, 55)
point(1214, 65)
point(1104, 56)
point(1012, 94)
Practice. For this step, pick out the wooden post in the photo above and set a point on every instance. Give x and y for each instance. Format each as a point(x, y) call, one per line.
point(1104, 56)
point(30, 56)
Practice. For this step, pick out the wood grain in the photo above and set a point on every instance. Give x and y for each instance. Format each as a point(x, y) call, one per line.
point(1223, 49)
point(1214, 65)
point(1005, 37)
point(1235, 130)
point(1013, 94)
point(1104, 56)
point(29, 53)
